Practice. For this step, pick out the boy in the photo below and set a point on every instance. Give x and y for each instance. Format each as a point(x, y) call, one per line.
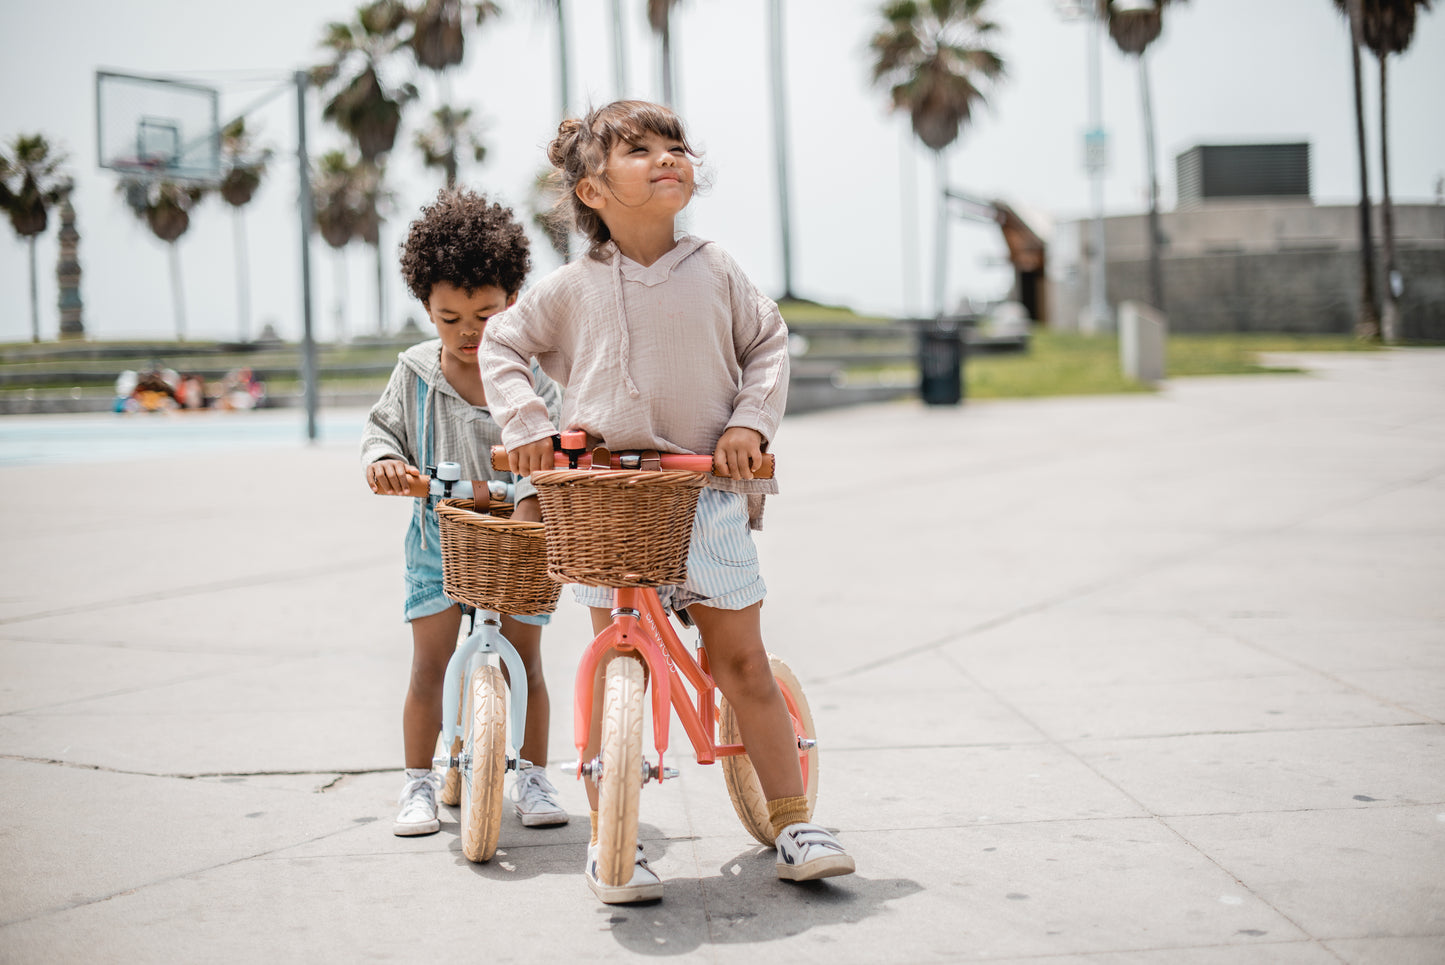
point(465, 260)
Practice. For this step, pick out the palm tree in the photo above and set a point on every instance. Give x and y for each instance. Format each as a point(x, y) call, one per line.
point(438, 42)
point(1134, 26)
point(1367, 326)
point(933, 57)
point(542, 205)
point(619, 51)
point(361, 102)
point(245, 167)
point(31, 181)
point(452, 132)
point(165, 206)
point(1387, 27)
point(438, 38)
point(336, 195)
point(659, 15)
point(780, 139)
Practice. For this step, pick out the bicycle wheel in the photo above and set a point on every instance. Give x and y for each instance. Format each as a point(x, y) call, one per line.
point(451, 792)
point(482, 785)
point(621, 784)
point(747, 794)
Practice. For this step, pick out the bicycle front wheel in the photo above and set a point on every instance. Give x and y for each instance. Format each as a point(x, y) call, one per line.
point(743, 787)
point(620, 787)
point(451, 792)
point(482, 783)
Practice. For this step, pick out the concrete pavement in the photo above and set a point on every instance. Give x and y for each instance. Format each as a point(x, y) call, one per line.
point(1146, 679)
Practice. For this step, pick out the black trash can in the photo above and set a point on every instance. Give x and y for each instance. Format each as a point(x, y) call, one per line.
point(941, 351)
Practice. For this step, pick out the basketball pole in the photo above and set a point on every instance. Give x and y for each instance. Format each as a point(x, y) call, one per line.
point(308, 340)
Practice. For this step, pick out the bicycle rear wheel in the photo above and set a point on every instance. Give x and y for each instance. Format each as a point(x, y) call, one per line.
point(743, 788)
point(620, 787)
point(482, 795)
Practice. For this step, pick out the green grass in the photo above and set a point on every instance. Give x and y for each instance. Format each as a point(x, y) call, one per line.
point(1070, 364)
point(1058, 364)
point(1236, 354)
point(801, 312)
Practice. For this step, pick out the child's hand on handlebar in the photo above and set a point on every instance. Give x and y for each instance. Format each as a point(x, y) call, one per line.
point(531, 457)
point(391, 477)
point(739, 452)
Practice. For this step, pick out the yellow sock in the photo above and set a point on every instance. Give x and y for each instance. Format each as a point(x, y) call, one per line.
point(594, 828)
point(784, 811)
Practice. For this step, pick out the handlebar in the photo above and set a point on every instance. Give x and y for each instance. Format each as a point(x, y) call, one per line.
point(572, 452)
point(444, 482)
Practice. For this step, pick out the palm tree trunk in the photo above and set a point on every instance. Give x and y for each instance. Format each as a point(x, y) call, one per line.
point(34, 296)
point(619, 51)
point(243, 281)
point(667, 91)
point(341, 287)
point(563, 85)
point(178, 299)
point(380, 290)
point(563, 80)
point(1390, 318)
point(940, 238)
point(1367, 326)
point(780, 145)
point(908, 209)
point(1156, 271)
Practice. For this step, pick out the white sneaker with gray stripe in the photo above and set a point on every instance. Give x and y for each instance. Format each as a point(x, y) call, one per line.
point(807, 851)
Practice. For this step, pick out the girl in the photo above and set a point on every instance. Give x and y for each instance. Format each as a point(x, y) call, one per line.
point(663, 343)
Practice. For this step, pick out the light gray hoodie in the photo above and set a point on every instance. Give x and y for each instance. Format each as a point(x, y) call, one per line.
point(421, 419)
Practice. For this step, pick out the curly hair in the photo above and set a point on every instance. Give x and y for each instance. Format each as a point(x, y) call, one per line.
point(582, 147)
point(466, 241)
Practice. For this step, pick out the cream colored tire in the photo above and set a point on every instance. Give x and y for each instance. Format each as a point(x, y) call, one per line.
point(451, 792)
point(742, 781)
point(620, 787)
point(482, 794)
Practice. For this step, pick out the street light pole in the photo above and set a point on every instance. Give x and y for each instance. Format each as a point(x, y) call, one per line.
point(1097, 160)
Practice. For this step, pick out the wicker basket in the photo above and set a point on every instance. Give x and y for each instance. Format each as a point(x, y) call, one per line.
point(493, 562)
point(617, 527)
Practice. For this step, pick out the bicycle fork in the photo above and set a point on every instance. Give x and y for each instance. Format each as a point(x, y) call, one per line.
point(485, 638)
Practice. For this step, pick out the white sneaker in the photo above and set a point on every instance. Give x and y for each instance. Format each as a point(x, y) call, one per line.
point(536, 799)
point(644, 886)
point(418, 802)
point(807, 851)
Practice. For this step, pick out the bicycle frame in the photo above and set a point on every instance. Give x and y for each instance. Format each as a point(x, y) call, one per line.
point(485, 638)
point(640, 625)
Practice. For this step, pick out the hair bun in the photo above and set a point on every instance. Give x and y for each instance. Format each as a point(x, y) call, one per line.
point(562, 145)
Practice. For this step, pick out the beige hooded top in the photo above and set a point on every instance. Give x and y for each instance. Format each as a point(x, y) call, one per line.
point(663, 357)
point(421, 419)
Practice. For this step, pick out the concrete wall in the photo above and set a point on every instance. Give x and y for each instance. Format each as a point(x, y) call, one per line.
point(1287, 267)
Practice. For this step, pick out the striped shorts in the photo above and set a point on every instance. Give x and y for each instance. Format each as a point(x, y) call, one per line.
point(722, 560)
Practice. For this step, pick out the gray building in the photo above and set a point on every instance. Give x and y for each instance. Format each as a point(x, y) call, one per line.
point(1248, 251)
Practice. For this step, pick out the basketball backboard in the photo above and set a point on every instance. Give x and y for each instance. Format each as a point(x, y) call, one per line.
point(157, 127)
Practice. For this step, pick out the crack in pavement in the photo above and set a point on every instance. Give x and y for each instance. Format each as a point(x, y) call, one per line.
point(201, 775)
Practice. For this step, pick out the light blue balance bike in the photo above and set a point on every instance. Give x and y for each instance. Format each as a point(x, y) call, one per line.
point(491, 564)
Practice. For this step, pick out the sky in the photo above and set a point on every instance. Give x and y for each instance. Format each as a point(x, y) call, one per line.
point(861, 188)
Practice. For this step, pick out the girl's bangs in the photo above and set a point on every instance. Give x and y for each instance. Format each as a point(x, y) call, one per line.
point(630, 124)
